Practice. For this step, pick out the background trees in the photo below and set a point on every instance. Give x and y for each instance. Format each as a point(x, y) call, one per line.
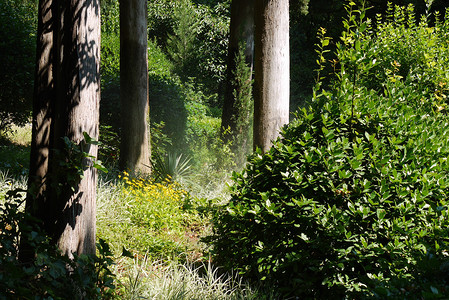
point(135, 144)
point(272, 70)
point(236, 120)
point(18, 22)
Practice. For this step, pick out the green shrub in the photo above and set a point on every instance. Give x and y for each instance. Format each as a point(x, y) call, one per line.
point(50, 275)
point(403, 59)
point(334, 210)
point(351, 201)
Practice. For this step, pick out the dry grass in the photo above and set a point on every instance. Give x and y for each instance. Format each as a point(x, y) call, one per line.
point(19, 135)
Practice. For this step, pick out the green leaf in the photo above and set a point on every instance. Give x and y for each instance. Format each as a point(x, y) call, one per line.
point(364, 242)
point(381, 213)
point(434, 290)
point(99, 166)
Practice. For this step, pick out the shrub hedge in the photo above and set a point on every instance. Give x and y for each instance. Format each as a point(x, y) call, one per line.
point(351, 201)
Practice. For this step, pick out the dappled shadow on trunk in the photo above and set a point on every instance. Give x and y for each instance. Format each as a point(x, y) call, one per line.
point(65, 105)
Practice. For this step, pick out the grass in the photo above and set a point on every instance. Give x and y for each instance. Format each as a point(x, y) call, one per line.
point(168, 261)
point(20, 136)
point(148, 217)
point(15, 150)
point(160, 223)
point(145, 279)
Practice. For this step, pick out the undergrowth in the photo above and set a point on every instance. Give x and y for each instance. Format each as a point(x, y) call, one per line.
point(149, 217)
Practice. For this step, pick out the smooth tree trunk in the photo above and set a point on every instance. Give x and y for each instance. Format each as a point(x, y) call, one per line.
point(272, 71)
point(241, 35)
point(135, 146)
point(62, 181)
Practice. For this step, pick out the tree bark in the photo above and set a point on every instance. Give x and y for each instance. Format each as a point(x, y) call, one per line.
point(44, 96)
point(42, 117)
point(241, 33)
point(272, 71)
point(66, 104)
point(135, 146)
point(77, 111)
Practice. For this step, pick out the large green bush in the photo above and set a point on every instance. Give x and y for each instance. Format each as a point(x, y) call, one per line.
point(351, 201)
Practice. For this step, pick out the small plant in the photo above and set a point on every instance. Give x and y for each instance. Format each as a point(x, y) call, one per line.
point(172, 167)
point(157, 205)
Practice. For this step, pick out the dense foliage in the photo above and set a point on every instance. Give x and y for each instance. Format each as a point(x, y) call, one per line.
point(351, 201)
point(18, 21)
point(194, 35)
point(50, 275)
point(306, 17)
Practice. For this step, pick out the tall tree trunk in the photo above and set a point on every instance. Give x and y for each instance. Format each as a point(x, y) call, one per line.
point(135, 147)
point(272, 71)
point(241, 34)
point(77, 111)
point(43, 99)
point(62, 182)
point(44, 96)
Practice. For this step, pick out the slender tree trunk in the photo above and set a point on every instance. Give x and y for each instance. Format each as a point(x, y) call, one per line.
point(135, 146)
point(241, 33)
point(66, 104)
point(272, 70)
point(44, 95)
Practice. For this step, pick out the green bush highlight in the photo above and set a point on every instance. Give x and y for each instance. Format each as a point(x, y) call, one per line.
point(351, 201)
